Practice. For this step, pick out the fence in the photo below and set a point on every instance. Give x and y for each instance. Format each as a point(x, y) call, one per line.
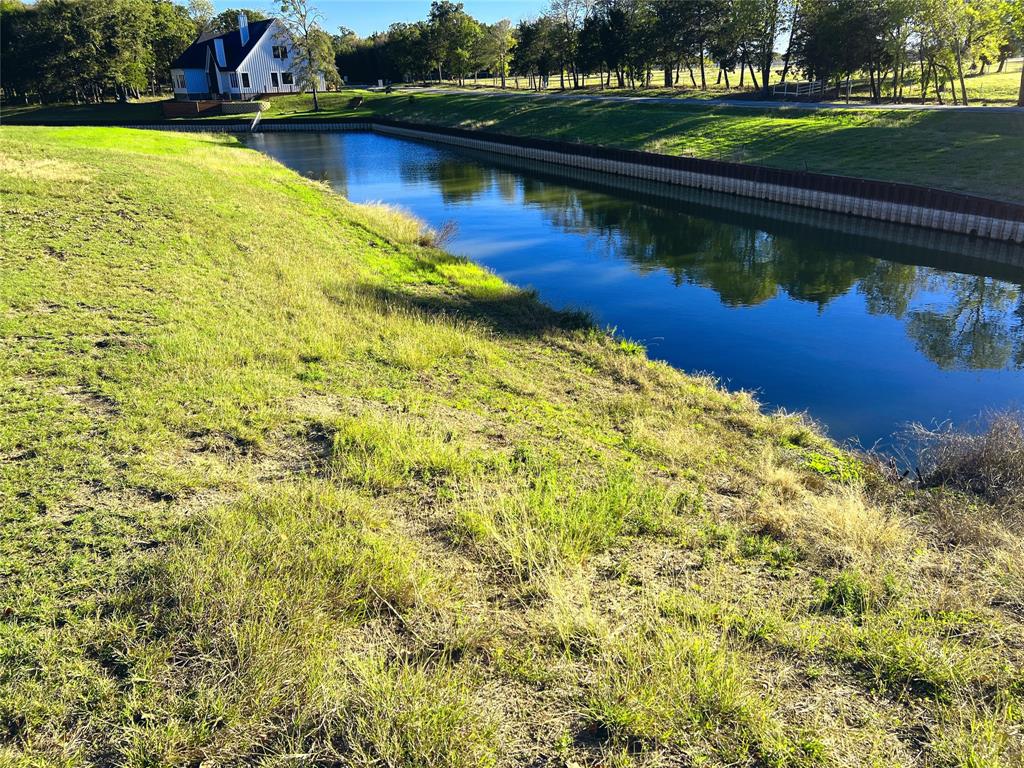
point(799, 90)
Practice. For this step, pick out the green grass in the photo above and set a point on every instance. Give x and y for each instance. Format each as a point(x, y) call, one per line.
point(283, 483)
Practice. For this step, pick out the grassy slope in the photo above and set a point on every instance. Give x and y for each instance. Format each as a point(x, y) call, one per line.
point(976, 153)
point(278, 479)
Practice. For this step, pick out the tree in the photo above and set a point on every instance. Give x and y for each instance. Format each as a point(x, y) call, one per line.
point(761, 22)
point(1012, 12)
point(671, 38)
point(705, 18)
point(83, 50)
point(569, 16)
point(962, 26)
point(20, 49)
point(314, 55)
point(171, 32)
point(405, 50)
point(726, 43)
point(534, 55)
point(452, 39)
point(345, 41)
point(201, 12)
point(227, 21)
point(125, 46)
point(834, 38)
point(498, 50)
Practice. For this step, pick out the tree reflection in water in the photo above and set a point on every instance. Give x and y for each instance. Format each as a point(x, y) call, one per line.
point(959, 321)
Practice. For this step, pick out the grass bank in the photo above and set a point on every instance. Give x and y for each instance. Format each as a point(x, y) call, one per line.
point(970, 152)
point(281, 482)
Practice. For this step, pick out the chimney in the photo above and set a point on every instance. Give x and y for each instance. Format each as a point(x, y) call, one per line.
point(218, 48)
point(243, 28)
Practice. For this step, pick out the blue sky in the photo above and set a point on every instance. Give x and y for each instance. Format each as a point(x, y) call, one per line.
point(369, 16)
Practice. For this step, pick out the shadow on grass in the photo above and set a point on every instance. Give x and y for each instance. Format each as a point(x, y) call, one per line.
point(513, 313)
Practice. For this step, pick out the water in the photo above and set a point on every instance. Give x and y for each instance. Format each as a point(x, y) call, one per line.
point(866, 326)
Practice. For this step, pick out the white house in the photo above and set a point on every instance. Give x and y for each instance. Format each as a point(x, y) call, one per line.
point(256, 59)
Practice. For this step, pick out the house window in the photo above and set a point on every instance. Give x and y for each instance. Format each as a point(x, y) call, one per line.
point(279, 51)
point(245, 79)
point(273, 79)
point(286, 78)
point(234, 80)
point(179, 81)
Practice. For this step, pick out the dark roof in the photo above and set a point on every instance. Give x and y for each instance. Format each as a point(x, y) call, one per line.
point(194, 56)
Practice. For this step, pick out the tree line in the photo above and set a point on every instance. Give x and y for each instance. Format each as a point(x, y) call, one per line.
point(87, 50)
point(639, 43)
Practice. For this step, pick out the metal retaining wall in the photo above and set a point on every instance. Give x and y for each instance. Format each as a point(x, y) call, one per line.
point(779, 216)
point(879, 200)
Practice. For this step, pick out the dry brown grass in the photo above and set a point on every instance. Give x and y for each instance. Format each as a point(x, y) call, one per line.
point(988, 462)
point(841, 525)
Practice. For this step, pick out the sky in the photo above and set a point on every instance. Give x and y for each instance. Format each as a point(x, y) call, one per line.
point(369, 16)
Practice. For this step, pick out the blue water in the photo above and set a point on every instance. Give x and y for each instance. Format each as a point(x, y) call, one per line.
point(865, 326)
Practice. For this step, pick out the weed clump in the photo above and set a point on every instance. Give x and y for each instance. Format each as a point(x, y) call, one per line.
point(850, 594)
point(684, 689)
point(555, 524)
point(381, 452)
point(834, 464)
point(400, 714)
point(989, 463)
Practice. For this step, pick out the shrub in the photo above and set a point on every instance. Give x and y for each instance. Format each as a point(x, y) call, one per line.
point(989, 463)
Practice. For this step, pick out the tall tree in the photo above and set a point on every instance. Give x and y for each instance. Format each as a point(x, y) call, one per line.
point(535, 53)
point(569, 16)
point(453, 35)
point(705, 20)
point(21, 49)
point(314, 55)
point(614, 23)
point(834, 38)
point(762, 22)
point(963, 26)
point(201, 12)
point(500, 42)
